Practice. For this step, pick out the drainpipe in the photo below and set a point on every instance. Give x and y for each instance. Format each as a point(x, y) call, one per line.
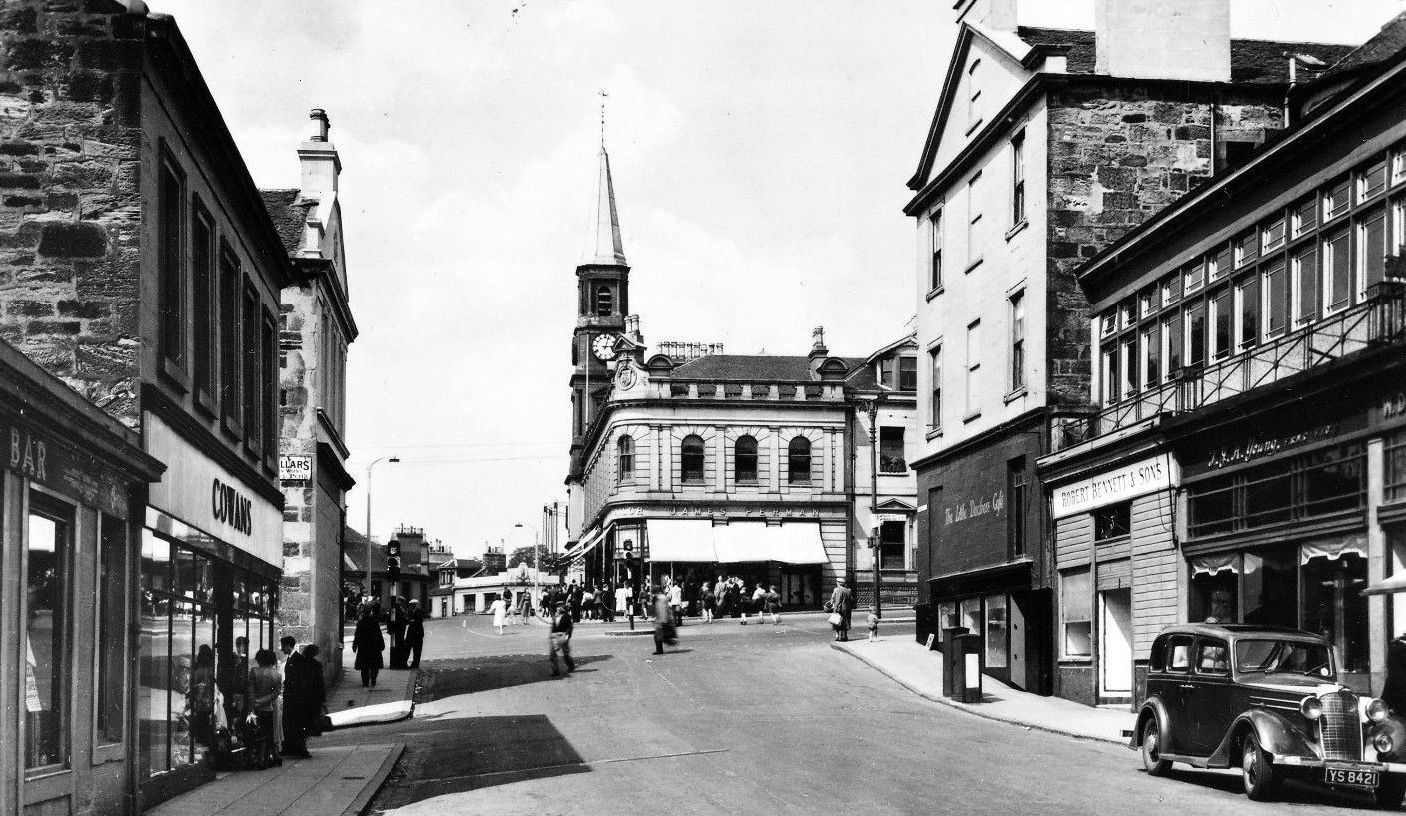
point(1215, 111)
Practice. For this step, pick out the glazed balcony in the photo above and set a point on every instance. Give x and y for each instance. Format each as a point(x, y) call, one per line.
point(1379, 320)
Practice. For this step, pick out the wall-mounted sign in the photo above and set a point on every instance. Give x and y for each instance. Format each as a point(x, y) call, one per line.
point(34, 456)
point(1257, 447)
point(1127, 482)
point(994, 502)
point(292, 467)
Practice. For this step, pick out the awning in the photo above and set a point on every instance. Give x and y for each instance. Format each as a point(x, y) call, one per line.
point(681, 540)
point(1334, 548)
point(1213, 564)
point(741, 541)
point(798, 543)
point(585, 545)
point(1395, 583)
point(790, 543)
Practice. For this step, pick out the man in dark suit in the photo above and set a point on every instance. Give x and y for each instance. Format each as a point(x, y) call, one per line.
point(842, 599)
point(303, 697)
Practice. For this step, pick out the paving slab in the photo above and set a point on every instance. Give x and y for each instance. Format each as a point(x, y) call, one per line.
point(920, 670)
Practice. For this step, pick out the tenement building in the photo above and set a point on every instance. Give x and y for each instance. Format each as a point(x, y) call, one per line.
point(690, 463)
point(1247, 458)
point(142, 269)
point(315, 328)
point(1047, 145)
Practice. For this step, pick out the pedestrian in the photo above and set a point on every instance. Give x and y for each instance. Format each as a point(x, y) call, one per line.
point(500, 613)
point(622, 600)
point(773, 604)
point(708, 602)
point(843, 601)
point(200, 697)
point(368, 644)
point(588, 602)
point(559, 639)
point(873, 620)
point(414, 633)
point(395, 628)
point(675, 603)
point(663, 629)
point(303, 698)
point(265, 683)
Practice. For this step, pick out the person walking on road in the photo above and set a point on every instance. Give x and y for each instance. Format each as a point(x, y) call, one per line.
point(663, 629)
point(772, 601)
point(843, 601)
point(414, 634)
point(675, 602)
point(559, 640)
point(709, 600)
point(500, 613)
point(368, 644)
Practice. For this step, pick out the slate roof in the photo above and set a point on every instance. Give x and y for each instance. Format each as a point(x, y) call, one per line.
point(755, 367)
point(1252, 62)
point(1384, 45)
point(288, 214)
point(354, 545)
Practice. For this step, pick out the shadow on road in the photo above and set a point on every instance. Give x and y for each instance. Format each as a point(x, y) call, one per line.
point(481, 752)
point(470, 674)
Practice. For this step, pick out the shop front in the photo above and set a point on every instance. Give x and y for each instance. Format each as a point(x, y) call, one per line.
point(210, 573)
point(1116, 562)
point(1289, 526)
point(70, 480)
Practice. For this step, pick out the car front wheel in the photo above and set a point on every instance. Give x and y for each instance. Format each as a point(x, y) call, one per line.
point(1256, 770)
point(1390, 792)
point(1152, 760)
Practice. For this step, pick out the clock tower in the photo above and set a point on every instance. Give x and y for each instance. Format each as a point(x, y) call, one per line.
point(602, 302)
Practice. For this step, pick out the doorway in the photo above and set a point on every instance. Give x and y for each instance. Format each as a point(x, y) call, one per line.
point(1116, 641)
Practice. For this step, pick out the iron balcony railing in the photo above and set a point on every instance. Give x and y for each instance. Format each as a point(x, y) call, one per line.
point(1380, 319)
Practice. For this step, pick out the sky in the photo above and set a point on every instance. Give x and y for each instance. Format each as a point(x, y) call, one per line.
point(759, 154)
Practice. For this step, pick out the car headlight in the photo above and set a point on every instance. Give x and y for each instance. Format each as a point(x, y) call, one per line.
point(1311, 708)
point(1377, 710)
point(1383, 743)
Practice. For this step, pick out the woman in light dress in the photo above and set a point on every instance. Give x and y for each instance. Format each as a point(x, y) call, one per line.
point(500, 613)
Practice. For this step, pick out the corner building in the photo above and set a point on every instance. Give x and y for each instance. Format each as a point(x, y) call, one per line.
point(1046, 145)
point(1254, 336)
point(143, 270)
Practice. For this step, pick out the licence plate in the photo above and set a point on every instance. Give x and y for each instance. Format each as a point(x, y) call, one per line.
point(1350, 777)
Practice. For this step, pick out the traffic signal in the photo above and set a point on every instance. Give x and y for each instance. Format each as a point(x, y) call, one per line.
point(394, 547)
point(393, 568)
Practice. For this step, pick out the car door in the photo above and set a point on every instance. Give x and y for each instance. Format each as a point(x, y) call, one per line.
point(1172, 686)
point(1208, 698)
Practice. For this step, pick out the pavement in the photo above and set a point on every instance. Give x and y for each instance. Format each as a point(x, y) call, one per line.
point(918, 669)
point(337, 780)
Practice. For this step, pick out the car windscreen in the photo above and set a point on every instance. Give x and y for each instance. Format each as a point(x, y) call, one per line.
point(1275, 656)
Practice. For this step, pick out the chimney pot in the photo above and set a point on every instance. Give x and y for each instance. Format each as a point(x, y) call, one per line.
point(323, 124)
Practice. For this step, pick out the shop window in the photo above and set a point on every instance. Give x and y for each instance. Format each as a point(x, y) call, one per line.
point(1076, 613)
point(1214, 589)
point(744, 460)
point(691, 459)
point(1113, 521)
point(891, 458)
point(946, 617)
point(111, 603)
point(798, 461)
point(1308, 486)
point(893, 545)
point(1334, 606)
point(625, 459)
point(1394, 467)
point(997, 631)
point(969, 615)
point(1017, 488)
point(46, 655)
point(1269, 586)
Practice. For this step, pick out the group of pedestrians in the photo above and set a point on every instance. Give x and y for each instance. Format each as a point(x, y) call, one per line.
point(405, 626)
point(730, 597)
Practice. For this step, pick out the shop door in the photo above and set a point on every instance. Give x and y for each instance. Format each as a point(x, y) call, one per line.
point(1017, 645)
point(1116, 641)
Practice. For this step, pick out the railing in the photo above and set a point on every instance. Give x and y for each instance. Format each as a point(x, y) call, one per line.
point(1378, 320)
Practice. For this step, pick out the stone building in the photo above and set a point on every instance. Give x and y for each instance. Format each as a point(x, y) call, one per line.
point(1047, 145)
point(691, 463)
point(1247, 456)
point(143, 270)
point(315, 329)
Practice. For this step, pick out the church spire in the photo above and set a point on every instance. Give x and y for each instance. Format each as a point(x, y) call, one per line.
point(605, 222)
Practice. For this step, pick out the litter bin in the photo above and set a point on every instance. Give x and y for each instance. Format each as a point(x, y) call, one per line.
point(967, 649)
point(951, 663)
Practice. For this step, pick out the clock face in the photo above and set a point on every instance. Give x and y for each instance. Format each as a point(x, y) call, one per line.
point(604, 346)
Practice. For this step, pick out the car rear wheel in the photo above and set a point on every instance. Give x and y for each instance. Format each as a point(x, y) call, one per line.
point(1390, 792)
point(1256, 770)
point(1152, 760)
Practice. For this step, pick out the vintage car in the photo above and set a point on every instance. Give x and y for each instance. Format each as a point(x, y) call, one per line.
point(1267, 700)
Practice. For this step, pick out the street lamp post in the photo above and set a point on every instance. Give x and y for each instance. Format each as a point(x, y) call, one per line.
point(872, 406)
point(392, 460)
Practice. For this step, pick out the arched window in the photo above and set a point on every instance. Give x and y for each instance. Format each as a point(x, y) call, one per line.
point(605, 301)
point(744, 460)
point(798, 461)
point(625, 460)
point(692, 459)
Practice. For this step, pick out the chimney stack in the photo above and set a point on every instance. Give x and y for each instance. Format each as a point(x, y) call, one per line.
point(320, 163)
point(1185, 40)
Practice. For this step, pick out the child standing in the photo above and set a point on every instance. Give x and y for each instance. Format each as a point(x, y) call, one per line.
point(873, 620)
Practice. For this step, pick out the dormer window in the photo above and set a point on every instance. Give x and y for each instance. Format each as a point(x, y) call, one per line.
point(908, 373)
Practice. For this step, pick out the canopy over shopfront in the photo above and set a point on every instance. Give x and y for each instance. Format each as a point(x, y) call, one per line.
point(699, 541)
point(585, 545)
